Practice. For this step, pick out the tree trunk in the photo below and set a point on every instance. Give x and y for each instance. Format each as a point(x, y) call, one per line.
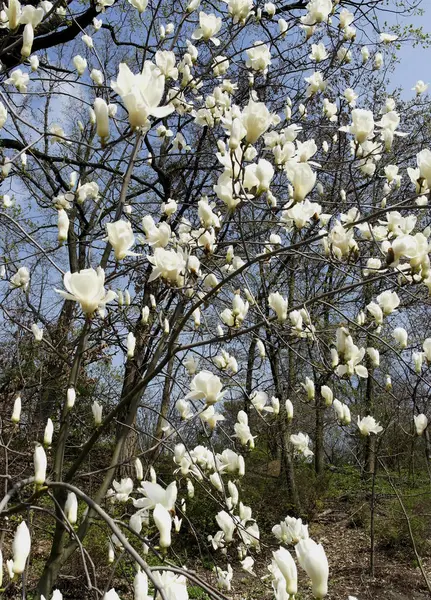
point(164, 409)
point(319, 452)
point(287, 469)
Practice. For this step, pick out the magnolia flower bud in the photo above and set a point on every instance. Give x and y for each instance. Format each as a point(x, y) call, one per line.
point(71, 508)
point(9, 567)
point(196, 314)
point(312, 558)
point(27, 40)
point(163, 522)
point(309, 388)
point(20, 548)
point(13, 14)
point(80, 64)
point(327, 395)
point(49, 430)
point(275, 403)
point(285, 563)
point(102, 119)
point(139, 469)
point(131, 343)
point(63, 225)
point(418, 358)
point(97, 410)
point(145, 315)
point(16, 414)
point(39, 459)
point(34, 62)
point(111, 553)
point(400, 336)
point(190, 489)
point(261, 347)
point(87, 41)
point(289, 410)
point(70, 397)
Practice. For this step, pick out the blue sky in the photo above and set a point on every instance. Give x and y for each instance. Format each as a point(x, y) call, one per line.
point(415, 63)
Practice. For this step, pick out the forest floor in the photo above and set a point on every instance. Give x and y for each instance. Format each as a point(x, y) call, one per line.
point(396, 574)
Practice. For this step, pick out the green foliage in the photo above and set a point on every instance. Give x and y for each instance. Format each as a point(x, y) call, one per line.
point(392, 531)
point(196, 593)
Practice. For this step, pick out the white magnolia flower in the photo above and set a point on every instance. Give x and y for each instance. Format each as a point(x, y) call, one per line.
point(291, 530)
point(242, 430)
point(302, 178)
point(209, 26)
point(142, 93)
point(258, 57)
point(131, 344)
point(111, 595)
point(368, 425)
point(301, 442)
point(362, 126)
point(211, 417)
point(342, 411)
point(239, 10)
point(167, 264)
point(121, 238)
point(174, 586)
point(278, 305)
point(63, 225)
point(284, 572)
point(420, 87)
point(154, 494)
point(37, 332)
point(70, 397)
point(206, 386)
point(400, 336)
point(235, 316)
point(140, 5)
point(87, 288)
point(184, 408)
point(224, 578)
point(309, 388)
point(318, 52)
point(21, 278)
point(327, 394)
point(318, 11)
point(421, 423)
point(19, 79)
point(121, 490)
point(387, 38)
point(388, 302)
point(256, 119)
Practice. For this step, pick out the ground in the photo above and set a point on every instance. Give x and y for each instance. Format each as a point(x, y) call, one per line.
point(396, 577)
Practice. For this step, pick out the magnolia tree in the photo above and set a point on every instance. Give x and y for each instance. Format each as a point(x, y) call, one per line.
point(201, 205)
